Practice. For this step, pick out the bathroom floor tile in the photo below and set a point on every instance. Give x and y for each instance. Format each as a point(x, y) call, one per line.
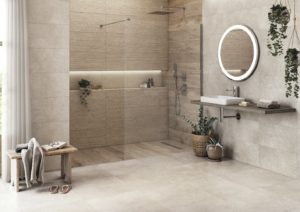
point(161, 178)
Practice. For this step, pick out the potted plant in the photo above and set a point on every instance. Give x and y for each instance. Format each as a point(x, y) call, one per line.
point(279, 17)
point(214, 149)
point(85, 90)
point(201, 131)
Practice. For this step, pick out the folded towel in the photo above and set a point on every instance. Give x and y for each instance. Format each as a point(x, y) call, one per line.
point(268, 104)
point(54, 146)
point(266, 101)
point(33, 162)
point(19, 147)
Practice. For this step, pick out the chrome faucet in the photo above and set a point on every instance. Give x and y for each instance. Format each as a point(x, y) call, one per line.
point(235, 91)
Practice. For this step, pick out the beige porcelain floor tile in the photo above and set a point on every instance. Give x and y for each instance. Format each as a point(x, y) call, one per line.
point(134, 201)
point(164, 180)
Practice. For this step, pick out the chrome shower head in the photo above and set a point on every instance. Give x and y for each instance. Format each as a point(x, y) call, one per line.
point(161, 12)
point(165, 10)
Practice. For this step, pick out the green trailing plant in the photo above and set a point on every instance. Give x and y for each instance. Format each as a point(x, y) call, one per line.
point(85, 90)
point(291, 72)
point(83, 83)
point(279, 17)
point(203, 126)
point(292, 61)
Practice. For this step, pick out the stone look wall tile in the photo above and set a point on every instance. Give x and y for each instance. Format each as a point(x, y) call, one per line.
point(46, 85)
point(48, 34)
point(81, 42)
point(119, 116)
point(46, 110)
point(43, 12)
point(267, 141)
point(184, 50)
point(88, 6)
point(49, 60)
point(277, 160)
point(140, 44)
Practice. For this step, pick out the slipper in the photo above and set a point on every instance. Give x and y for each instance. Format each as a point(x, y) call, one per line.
point(54, 189)
point(65, 189)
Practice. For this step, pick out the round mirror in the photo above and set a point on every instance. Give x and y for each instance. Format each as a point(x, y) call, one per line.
point(238, 52)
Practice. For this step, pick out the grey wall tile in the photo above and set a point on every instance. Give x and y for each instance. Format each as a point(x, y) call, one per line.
point(48, 29)
point(48, 12)
point(268, 141)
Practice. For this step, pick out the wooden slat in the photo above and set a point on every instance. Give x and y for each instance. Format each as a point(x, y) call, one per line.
point(67, 150)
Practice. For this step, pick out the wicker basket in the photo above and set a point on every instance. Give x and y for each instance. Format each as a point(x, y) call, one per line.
point(199, 145)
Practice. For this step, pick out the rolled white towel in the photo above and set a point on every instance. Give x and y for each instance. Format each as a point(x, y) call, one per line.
point(266, 101)
point(268, 104)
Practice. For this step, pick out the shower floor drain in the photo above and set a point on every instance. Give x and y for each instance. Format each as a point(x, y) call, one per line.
point(171, 145)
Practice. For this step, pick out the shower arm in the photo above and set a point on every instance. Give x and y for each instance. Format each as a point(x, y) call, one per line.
point(103, 25)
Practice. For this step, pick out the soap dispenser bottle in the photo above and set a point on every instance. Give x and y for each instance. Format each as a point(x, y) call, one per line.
point(149, 83)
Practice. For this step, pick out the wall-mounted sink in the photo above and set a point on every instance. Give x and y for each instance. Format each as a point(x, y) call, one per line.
point(222, 100)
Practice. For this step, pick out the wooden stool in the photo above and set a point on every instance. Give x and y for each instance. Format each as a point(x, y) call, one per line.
point(66, 166)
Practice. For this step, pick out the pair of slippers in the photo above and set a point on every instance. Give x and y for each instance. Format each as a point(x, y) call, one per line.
point(63, 189)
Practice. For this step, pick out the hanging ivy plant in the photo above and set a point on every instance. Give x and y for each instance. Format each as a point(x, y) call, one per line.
point(85, 90)
point(279, 17)
point(291, 72)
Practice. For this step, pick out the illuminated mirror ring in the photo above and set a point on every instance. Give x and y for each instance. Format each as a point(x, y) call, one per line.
point(255, 47)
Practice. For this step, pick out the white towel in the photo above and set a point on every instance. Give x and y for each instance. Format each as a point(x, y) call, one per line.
point(33, 161)
point(266, 101)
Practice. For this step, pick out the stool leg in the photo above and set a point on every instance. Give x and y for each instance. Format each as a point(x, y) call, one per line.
point(12, 173)
point(67, 168)
point(15, 167)
point(62, 167)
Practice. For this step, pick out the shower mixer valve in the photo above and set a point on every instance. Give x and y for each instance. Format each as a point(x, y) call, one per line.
point(183, 89)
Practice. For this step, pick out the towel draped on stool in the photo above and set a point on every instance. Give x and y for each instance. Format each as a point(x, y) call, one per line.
point(33, 162)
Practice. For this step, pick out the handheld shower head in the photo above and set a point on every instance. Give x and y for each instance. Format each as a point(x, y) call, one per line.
point(175, 71)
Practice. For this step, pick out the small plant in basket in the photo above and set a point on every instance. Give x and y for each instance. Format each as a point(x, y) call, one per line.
point(201, 131)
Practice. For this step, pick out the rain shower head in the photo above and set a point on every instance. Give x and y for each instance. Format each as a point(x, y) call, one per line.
point(166, 10)
point(160, 13)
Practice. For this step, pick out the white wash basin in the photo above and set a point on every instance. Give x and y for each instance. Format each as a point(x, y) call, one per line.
point(222, 100)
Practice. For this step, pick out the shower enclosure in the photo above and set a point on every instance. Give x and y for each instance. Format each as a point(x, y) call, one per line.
point(119, 48)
